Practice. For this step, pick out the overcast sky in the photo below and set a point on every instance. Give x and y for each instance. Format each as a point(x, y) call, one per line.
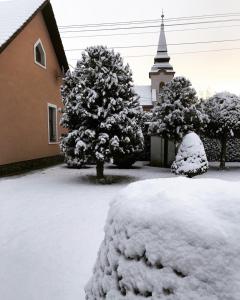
point(208, 71)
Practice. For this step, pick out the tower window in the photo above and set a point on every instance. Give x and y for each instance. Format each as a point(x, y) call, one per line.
point(39, 54)
point(161, 85)
point(52, 123)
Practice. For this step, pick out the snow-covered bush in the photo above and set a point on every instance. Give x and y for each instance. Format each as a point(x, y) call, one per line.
point(191, 159)
point(178, 111)
point(170, 239)
point(223, 110)
point(101, 110)
point(126, 161)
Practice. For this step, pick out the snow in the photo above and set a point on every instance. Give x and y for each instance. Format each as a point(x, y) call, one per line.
point(175, 239)
point(13, 14)
point(145, 94)
point(191, 158)
point(51, 226)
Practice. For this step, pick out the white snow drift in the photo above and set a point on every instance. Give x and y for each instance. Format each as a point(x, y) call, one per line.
point(175, 239)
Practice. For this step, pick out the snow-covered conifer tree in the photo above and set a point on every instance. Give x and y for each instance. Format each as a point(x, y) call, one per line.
point(101, 109)
point(70, 120)
point(178, 111)
point(191, 159)
point(223, 110)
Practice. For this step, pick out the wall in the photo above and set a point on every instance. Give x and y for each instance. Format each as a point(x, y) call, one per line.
point(25, 90)
point(157, 152)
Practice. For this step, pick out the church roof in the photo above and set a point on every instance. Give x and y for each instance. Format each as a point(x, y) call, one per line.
point(145, 94)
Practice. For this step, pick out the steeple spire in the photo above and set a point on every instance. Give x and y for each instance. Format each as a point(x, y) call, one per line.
point(161, 59)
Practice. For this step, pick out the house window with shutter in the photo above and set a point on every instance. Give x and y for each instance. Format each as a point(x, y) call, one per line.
point(40, 54)
point(52, 123)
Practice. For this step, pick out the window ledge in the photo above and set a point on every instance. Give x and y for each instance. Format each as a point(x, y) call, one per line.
point(53, 143)
point(40, 65)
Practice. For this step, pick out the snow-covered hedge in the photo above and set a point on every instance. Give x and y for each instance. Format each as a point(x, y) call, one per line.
point(213, 148)
point(173, 239)
point(191, 159)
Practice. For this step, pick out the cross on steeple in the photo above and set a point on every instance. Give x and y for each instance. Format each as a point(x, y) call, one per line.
point(162, 16)
point(162, 44)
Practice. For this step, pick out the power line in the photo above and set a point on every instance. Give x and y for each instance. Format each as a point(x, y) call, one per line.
point(149, 32)
point(206, 16)
point(173, 44)
point(150, 26)
point(188, 52)
point(180, 53)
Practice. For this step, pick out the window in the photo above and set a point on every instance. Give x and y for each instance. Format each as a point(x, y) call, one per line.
point(39, 54)
point(161, 85)
point(52, 123)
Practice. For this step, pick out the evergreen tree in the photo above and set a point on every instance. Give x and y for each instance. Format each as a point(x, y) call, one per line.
point(178, 111)
point(223, 110)
point(101, 109)
point(191, 159)
point(70, 121)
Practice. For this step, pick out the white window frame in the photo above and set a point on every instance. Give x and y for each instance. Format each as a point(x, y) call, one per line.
point(55, 107)
point(34, 53)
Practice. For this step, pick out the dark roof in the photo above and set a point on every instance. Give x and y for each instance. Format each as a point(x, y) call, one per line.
point(49, 18)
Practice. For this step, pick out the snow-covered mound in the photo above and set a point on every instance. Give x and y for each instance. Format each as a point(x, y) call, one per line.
point(191, 158)
point(175, 239)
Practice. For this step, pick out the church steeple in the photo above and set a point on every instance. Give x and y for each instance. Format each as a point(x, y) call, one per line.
point(161, 60)
point(161, 72)
point(162, 44)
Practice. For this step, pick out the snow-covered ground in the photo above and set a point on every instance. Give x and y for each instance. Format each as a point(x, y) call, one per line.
point(51, 226)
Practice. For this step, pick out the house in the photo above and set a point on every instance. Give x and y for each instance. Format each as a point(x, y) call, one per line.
point(162, 150)
point(32, 61)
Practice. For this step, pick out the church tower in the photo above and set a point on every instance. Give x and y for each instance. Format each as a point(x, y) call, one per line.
point(162, 150)
point(161, 72)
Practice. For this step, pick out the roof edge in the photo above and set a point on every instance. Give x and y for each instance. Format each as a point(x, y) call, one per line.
point(15, 34)
point(51, 23)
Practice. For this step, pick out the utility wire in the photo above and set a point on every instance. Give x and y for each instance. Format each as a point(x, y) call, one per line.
point(207, 16)
point(149, 32)
point(190, 52)
point(180, 53)
point(173, 44)
point(150, 26)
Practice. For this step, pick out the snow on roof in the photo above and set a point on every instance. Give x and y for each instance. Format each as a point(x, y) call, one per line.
point(13, 14)
point(145, 94)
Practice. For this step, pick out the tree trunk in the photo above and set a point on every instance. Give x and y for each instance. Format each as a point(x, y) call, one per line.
point(223, 152)
point(100, 169)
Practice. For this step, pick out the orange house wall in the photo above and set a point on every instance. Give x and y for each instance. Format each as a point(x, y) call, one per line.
point(25, 91)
